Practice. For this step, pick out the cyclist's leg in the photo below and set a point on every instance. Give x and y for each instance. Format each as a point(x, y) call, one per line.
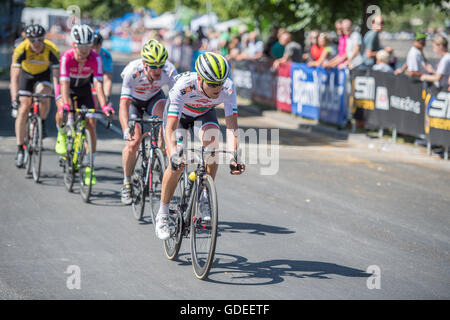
point(44, 86)
point(209, 134)
point(131, 147)
point(157, 109)
point(26, 84)
point(170, 178)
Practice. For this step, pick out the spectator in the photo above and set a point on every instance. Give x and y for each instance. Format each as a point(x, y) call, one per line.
point(342, 42)
point(352, 57)
point(273, 38)
point(292, 50)
point(416, 65)
point(233, 48)
point(254, 50)
point(372, 43)
point(328, 51)
point(441, 76)
point(277, 49)
point(382, 62)
point(315, 50)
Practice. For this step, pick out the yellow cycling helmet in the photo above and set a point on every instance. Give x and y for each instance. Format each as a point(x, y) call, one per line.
point(212, 67)
point(154, 53)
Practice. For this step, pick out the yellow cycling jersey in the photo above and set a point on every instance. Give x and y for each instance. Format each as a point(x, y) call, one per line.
point(35, 63)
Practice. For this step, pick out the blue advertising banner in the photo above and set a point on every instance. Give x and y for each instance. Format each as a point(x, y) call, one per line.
point(333, 106)
point(305, 91)
point(121, 44)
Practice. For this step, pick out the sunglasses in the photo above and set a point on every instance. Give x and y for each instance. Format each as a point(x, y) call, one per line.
point(84, 46)
point(147, 66)
point(33, 40)
point(214, 85)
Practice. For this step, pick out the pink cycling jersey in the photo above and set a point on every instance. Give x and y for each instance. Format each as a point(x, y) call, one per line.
point(80, 75)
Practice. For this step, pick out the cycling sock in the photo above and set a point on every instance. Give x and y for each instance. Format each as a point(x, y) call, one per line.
point(127, 180)
point(93, 158)
point(20, 147)
point(163, 209)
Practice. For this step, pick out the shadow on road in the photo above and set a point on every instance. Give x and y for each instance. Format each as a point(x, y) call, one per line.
point(251, 228)
point(237, 270)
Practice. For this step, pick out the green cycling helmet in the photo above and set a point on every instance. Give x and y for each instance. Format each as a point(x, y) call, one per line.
point(154, 53)
point(212, 67)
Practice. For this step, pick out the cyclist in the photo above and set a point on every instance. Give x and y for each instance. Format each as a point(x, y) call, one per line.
point(34, 62)
point(107, 63)
point(141, 92)
point(193, 98)
point(77, 66)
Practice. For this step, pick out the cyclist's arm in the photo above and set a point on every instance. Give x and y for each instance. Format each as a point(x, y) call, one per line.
point(124, 107)
point(14, 76)
point(98, 85)
point(170, 135)
point(232, 133)
point(65, 97)
point(16, 67)
point(107, 84)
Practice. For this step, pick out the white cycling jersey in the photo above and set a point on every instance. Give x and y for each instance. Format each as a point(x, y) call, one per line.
point(136, 85)
point(186, 97)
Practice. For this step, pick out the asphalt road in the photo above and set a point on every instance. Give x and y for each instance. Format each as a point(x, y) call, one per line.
point(333, 219)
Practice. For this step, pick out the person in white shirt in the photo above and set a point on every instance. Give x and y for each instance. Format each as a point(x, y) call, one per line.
point(416, 65)
point(382, 62)
point(441, 76)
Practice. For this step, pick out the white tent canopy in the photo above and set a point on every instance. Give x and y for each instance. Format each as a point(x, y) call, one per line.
point(206, 20)
point(43, 16)
point(165, 21)
point(223, 26)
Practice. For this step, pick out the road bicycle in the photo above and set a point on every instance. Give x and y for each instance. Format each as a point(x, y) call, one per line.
point(33, 137)
point(146, 179)
point(78, 158)
point(193, 211)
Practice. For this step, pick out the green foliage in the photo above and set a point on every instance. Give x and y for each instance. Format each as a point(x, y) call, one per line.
point(292, 14)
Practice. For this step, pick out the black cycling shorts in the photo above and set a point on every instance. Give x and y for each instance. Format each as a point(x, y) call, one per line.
point(27, 81)
point(138, 107)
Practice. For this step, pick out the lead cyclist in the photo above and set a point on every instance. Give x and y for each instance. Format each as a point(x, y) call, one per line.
point(193, 100)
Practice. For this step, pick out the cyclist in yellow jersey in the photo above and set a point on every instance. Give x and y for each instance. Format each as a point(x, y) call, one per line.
point(35, 60)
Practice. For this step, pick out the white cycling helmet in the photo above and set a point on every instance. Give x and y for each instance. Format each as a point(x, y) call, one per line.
point(82, 34)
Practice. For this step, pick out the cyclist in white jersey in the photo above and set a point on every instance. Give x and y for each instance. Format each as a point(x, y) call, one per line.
point(192, 102)
point(141, 92)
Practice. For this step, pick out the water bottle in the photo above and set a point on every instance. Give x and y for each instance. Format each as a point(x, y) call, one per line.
point(191, 178)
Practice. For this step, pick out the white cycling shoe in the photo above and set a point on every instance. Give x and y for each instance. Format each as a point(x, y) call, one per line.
point(162, 227)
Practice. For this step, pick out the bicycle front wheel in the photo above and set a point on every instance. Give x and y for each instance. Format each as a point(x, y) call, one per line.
point(36, 149)
point(204, 219)
point(85, 166)
point(69, 169)
point(28, 142)
point(138, 188)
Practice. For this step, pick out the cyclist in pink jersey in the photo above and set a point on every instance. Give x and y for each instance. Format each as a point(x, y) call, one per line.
point(76, 67)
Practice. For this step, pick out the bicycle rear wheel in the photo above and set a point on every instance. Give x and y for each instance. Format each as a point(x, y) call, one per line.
point(138, 188)
point(204, 232)
point(36, 149)
point(157, 169)
point(177, 207)
point(85, 165)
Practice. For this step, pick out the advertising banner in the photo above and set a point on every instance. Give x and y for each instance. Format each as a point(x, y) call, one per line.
point(305, 91)
point(284, 86)
point(437, 122)
point(333, 104)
